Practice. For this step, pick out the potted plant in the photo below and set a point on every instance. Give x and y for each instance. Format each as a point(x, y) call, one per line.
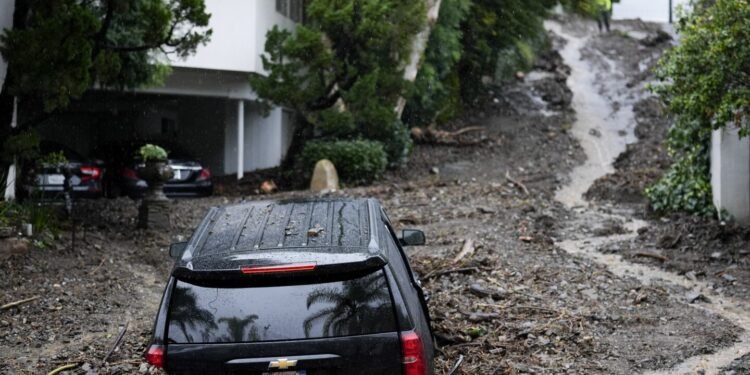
point(155, 171)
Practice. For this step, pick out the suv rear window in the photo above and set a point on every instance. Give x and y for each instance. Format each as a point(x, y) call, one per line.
point(250, 314)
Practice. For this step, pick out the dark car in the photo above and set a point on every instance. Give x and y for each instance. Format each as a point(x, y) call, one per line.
point(48, 181)
point(191, 178)
point(311, 287)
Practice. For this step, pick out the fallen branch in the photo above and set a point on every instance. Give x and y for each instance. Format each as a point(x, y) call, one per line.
point(63, 368)
point(436, 136)
point(18, 303)
point(117, 342)
point(457, 365)
point(447, 272)
point(517, 183)
point(651, 255)
point(466, 249)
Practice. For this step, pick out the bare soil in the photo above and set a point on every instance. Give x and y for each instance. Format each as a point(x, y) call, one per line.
point(517, 305)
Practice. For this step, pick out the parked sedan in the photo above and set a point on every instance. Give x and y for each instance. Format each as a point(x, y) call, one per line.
point(48, 181)
point(191, 178)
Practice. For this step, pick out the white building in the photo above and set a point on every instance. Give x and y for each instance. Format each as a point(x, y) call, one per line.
point(206, 106)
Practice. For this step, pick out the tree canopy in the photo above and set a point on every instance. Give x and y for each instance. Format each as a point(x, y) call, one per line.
point(58, 49)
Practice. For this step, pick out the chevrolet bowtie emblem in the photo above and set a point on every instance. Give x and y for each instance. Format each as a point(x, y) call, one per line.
point(282, 364)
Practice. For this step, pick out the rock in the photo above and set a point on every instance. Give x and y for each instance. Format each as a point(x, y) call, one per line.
point(483, 292)
point(14, 247)
point(434, 170)
point(654, 40)
point(486, 210)
point(268, 187)
point(728, 277)
point(693, 297)
point(325, 179)
point(595, 133)
point(143, 369)
point(716, 255)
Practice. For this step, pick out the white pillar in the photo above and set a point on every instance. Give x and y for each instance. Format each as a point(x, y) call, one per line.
point(10, 178)
point(240, 139)
point(730, 172)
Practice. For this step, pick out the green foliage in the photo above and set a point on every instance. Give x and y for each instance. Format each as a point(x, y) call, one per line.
point(343, 69)
point(66, 46)
point(491, 27)
point(151, 152)
point(24, 146)
point(705, 82)
point(436, 86)
point(56, 159)
point(357, 161)
point(42, 217)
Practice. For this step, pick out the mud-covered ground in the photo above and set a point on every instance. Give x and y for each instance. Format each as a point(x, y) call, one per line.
point(517, 304)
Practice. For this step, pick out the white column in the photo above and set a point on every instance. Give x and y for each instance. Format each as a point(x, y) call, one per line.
point(10, 178)
point(730, 172)
point(240, 139)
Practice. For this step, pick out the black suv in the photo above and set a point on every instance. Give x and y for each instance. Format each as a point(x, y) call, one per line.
point(295, 288)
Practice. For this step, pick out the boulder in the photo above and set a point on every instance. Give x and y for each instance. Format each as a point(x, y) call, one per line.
point(325, 179)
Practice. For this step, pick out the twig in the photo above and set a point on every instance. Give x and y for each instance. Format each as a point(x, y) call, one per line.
point(517, 183)
point(467, 249)
point(651, 255)
point(18, 303)
point(457, 365)
point(466, 130)
point(117, 342)
point(446, 272)
point(97, 267)
point(63, 368)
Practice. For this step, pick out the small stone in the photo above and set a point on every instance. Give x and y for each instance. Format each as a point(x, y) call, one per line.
point(434, 170)
point(694, 297)
point(728, 277)
point(143, 369)
point(716, 255)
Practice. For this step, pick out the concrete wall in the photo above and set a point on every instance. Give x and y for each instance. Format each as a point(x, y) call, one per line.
point(6, 21)
point(730, 172)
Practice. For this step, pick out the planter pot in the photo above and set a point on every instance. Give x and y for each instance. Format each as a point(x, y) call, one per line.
point(154, 210)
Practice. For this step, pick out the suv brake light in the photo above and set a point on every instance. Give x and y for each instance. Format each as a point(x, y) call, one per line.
point(205, 174)
point(155, 356)
point(278, 269)
point(412, 354)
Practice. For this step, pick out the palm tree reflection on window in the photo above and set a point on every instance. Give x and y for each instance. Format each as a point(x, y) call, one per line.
point(236, 327)
point(361, 306)
point(186, 313)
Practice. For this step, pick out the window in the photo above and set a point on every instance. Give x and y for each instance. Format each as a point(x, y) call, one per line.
point(342, 308)
point(293, 9)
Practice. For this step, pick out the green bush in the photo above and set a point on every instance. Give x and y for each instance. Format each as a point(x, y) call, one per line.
point(706, 88)
point(357, 162)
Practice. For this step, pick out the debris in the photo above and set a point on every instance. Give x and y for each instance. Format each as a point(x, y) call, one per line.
point(314, 232)
point(466, 249)
point(519, 184)
point(6, 232)
point(447, 272)
point(716, 255)
point(434, 170)
point(693, 297)
point(595, 133)
point(728, 277)
point(480, 291)
point(668, 242)
point(486, 210)
point(437, 136)
point(478, 317)
point(117, 342)
point(63, 368)
point(457, 365)
point(18, 303)
point(651, 255)
point(475, 332)
point(526, 239)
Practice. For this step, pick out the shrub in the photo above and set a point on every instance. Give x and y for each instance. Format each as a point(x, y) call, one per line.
point(357, 162)
point(152, 152)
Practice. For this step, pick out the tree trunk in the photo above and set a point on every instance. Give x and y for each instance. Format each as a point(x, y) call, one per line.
point(418, 47)
point(20, 11)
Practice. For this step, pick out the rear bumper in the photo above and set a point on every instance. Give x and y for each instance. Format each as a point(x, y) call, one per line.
point(137, 189)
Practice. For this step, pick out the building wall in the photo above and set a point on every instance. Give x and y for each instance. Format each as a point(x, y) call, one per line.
point(239, 35)
point(6, 21)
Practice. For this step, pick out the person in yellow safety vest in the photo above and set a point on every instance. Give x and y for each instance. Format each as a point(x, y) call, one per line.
point(603, 11)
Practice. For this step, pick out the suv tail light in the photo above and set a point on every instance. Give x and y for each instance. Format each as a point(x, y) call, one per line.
point(278, 269)
point(205, 174)
point(412, 355)
point(155, 356)
point(90, 173)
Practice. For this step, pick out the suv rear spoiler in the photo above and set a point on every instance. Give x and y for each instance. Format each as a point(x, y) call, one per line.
point(255, 267)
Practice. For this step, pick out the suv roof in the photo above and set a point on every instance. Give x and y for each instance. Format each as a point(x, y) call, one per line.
point(324, 235)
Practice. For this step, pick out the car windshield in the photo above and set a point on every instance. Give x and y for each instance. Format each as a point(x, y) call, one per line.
point(342, 308)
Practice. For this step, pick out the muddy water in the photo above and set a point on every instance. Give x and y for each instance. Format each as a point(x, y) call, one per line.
point(604, 134)
point(602, 131)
